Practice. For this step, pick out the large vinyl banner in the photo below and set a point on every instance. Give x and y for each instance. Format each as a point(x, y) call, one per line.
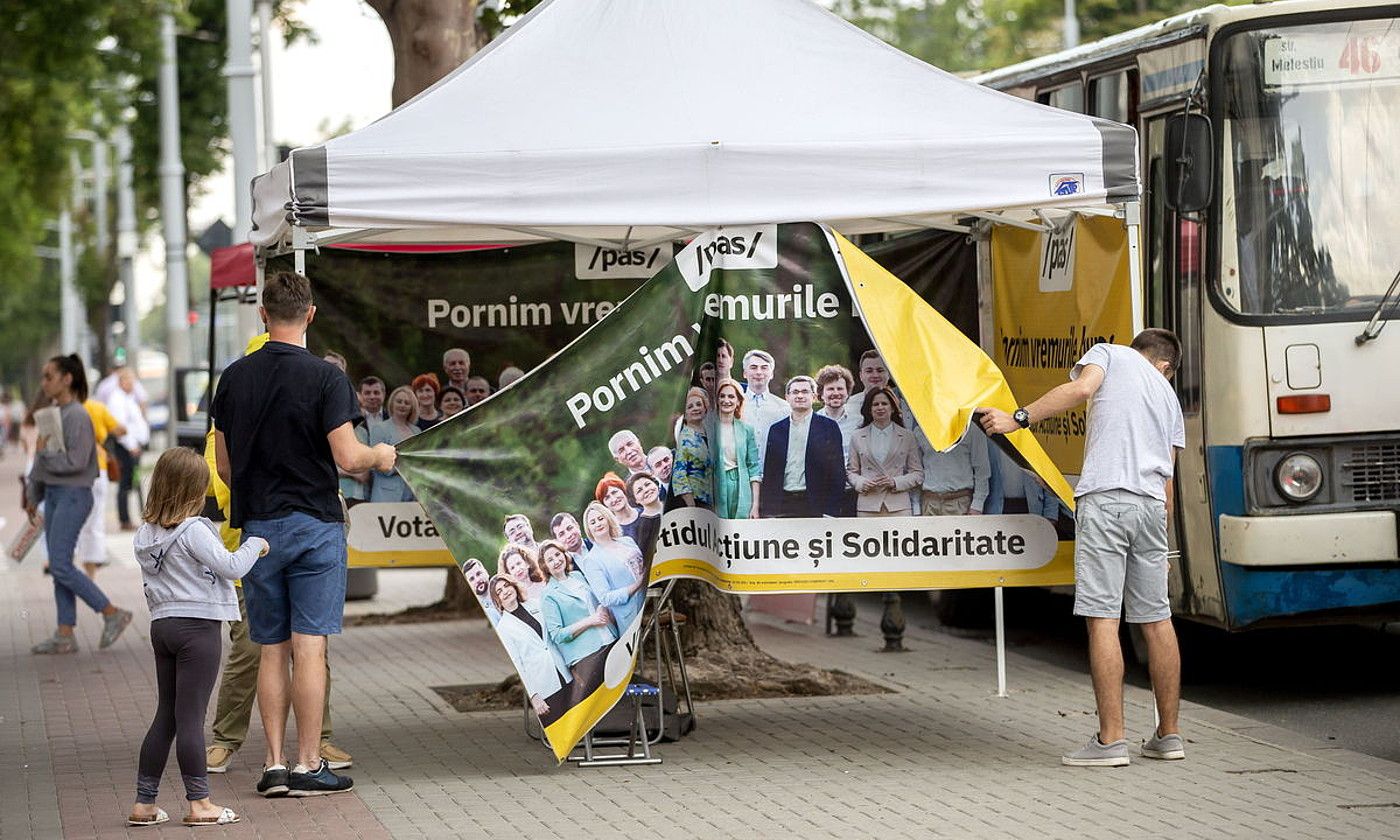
point(394, 313)
point(772, 412)
point(1057, 294)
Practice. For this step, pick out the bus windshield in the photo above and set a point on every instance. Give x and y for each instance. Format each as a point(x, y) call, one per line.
point(1311, 178)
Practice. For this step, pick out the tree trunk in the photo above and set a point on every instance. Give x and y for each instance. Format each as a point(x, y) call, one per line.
point(430, 38)
point(714, 621)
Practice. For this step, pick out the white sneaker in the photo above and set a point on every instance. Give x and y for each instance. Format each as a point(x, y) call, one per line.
point(1165, 747)
point(1098, 754)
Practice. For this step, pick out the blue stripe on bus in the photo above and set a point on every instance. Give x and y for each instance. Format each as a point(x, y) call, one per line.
point(1225, 471)
point(1255, 594)
point(1225, 466)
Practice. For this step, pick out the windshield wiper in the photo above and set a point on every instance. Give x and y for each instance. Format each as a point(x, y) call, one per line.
point(1376, 324)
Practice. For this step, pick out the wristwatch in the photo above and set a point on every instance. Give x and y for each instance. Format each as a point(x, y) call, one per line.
point(1022, 418)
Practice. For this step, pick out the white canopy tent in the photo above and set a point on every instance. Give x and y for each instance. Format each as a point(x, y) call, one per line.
point(637, 122)
point(648, 120)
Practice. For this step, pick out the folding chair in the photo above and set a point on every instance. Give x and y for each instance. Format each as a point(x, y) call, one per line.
point(638, 741)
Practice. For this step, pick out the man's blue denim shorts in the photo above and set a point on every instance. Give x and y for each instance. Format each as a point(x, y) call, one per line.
point(299, 585)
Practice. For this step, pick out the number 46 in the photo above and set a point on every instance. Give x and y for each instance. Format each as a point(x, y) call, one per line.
point(1360, 56)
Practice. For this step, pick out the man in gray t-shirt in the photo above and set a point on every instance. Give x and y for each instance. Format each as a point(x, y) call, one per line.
point(1121, 513)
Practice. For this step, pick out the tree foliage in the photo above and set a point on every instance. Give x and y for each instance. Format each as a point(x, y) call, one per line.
point(59, 64)
point(88, 65)
point(976, 35)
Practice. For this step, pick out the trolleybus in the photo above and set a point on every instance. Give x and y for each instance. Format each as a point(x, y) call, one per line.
point(1271, 245)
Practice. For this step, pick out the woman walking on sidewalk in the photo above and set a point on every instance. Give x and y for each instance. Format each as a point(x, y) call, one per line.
point(188, 577)
point(62, 480)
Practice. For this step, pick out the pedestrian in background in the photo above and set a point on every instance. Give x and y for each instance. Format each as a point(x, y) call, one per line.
point(126, 407)
point(92, 540)
point(62, 482)
point(7, 418)
point(1122, 509)
point(188, 576)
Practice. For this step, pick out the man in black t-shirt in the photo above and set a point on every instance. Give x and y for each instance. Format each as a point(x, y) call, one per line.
point(283, 423)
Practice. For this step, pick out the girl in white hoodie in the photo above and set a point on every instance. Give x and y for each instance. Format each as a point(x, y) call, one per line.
point(188, 577)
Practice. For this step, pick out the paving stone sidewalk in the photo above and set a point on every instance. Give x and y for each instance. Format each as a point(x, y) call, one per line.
point(940, 756)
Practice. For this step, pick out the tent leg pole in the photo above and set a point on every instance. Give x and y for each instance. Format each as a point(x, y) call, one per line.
point(209, 358)
point(1001, 641)
point(1132, 218)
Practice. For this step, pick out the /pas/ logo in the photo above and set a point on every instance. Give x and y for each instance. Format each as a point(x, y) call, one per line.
point(1067, 183)
point(592, 262)
point(728, 248)
point(1057, 254)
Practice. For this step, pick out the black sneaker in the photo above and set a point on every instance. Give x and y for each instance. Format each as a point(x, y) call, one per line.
point(318, 782)
point(273, 782)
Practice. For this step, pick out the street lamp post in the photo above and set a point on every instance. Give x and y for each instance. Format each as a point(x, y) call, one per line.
point(1071, 25)
point(172, 203)
point(126, 242)
point(242, 132)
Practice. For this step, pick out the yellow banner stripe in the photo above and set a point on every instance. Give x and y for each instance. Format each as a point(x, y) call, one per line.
point(942, 374)
point(575, 723)
point(399, 559)
point(1058, 571)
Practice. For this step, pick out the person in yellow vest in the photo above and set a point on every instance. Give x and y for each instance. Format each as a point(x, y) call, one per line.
point(92, 540)
point(238, 686)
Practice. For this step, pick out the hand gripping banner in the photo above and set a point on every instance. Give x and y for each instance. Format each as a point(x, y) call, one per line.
point(771, 412)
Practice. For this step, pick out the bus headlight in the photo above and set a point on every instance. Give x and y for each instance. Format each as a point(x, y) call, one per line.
point(1298, 477)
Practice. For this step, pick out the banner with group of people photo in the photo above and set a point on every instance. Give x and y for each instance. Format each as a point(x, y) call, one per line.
point(772, 411)
point(425, 332)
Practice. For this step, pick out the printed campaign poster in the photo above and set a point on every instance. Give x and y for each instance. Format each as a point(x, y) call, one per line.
point(396, 313)
point(1055, 295)
point(772, 412)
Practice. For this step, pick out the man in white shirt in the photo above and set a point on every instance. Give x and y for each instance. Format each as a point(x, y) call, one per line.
point(628, 452)
point(660, 461)
point(956, 481)
point(873, 375)
point(834, 384)
point(804, 475)
point(565, 529)
point(518, 530)
point(480, 582)
point(371, 396)
point(457, 364)
point(478, 389)
point(1122, 508)
point(761, 407)
point(126, 408)
point(112, 381)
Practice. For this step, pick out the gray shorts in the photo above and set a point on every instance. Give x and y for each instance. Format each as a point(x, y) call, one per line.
point(1120, 557)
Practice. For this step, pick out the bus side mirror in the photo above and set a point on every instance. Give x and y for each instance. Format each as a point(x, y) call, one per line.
point(1190, 174)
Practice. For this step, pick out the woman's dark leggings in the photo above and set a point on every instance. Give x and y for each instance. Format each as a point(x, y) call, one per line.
point(187, 651)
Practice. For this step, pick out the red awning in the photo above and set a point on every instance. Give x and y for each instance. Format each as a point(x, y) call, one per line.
point(232, 267)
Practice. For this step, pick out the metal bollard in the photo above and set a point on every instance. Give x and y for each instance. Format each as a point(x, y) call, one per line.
point(841, 610)
point(892, 623)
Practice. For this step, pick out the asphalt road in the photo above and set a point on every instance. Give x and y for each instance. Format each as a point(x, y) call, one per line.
point(1338, 684)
